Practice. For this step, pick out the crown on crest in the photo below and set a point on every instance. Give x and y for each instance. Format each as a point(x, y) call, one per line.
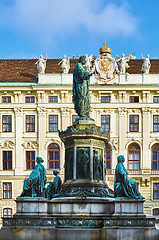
point(105, 49)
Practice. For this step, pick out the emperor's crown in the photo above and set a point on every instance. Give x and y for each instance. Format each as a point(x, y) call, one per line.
point(104, 49)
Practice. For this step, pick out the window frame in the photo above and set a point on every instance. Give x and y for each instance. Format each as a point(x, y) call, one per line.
point(105, 122)
point(53, 99)
point(156, 123)
point(134, 124)
point(73, 117)
point(110, 150)
point(7, 160)
point(105, 97)
point(137, 97)
point(30, 160)
point(30, 124)
point(7, 216)
point(157, 99)
point(152, 157)
point(53, 160)
point(133, 160)
point(29, 99)
point(8, 191)
point(156, 191)
point(6, 123)
point(53, 123)
point(7, 97)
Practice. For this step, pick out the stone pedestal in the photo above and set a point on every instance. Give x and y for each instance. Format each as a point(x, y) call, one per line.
point(128, 207)
point(84, 159)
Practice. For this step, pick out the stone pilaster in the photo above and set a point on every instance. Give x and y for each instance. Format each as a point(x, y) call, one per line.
point(64, 117)
point(19, 155)
point(122, 129)
point(41, 130)
point(146, 134)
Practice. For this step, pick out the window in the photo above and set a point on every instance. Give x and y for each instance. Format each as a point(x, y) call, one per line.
point(155, 157)
point(108, 157)
point(156, 191)
point(134, 156)
point(30, 160)
point(53, 123)
point(134, 123)
point(7, 190)
point(155, 212)
point(7, 160)
point(156, 99)
point(6, 99)
point(53, 99)
point(74, 117)
point(30, 99)
point(134, 99)
point(6, 123)
point(30, 123)
point(105, 122)
point(53, 156)
point(156, 123)
point(7, 212)
point(105, 99)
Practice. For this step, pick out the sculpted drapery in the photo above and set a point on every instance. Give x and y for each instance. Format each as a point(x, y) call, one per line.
point(81, 96)
point(123, 186)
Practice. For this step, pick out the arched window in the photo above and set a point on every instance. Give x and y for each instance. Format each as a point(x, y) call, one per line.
point(53, 156)
point(155, 212)
point(108, 157)
point(155, 156)
point(7, 212)
point(134, 156)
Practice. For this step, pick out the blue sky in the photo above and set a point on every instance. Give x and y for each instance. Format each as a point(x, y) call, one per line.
point(29, 28)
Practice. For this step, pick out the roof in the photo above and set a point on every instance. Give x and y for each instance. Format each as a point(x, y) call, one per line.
point(25, 70)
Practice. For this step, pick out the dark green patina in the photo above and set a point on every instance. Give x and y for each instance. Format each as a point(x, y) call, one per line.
point(81, 96)
point(123, 186)
point(53, 187)
point(97, 164)
point(34, 186)
point(69, 164)
point(83, 163)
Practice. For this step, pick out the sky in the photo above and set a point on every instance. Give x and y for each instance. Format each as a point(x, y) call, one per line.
point(53, 28)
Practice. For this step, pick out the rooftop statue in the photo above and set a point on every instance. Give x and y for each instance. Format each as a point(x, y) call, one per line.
point(123, 186)
point(81, 96)
point(41, 64)
point(146, 64)
point(34, 186)
point(65, 64)
point(54, 187)
point(89, 63)
point(123, 62)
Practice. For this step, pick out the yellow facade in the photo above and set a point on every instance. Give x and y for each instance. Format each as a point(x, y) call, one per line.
point(19, 141)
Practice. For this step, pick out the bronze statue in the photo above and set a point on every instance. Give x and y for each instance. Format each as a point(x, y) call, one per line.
point(34, 186)
point(54, 187)
point(81, 96)
point(123, 186)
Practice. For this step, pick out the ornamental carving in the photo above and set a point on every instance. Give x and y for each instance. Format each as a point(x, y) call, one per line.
point(30, 145)
point(107, 111)
point(41, 110)
point(93, 129)
point(115, 144)
point(134, 110)
point(64, 111)
point(145, 111)
point(18, 111)
point(122, 111)
point(133, 140)
point(7, 145)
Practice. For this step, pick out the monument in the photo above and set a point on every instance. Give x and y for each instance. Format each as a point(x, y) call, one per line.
point(83, 206)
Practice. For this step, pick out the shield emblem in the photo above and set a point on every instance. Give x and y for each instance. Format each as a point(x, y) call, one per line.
point(105, 65)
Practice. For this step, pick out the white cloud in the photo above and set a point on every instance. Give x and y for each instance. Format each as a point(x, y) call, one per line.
point(56, 19)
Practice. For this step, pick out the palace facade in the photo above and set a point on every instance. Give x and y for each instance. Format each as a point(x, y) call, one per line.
point(33, 107)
